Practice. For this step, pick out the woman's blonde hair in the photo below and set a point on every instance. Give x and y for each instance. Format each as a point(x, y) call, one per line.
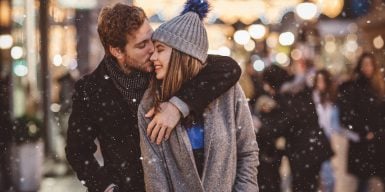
point(182, 67)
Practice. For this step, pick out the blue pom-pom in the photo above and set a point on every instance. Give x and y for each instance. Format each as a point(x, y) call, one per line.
point(201, 7)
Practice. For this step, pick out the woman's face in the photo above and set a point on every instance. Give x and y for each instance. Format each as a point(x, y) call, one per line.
point(161, 59)
point(320, 83)
point(367, 67)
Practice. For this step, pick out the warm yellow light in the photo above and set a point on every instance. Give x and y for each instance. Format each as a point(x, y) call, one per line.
point(272, 40)
point(378, 42)
point(331, 8)
point(296, 54)
point(5, 13)
point(282, 58)
point(351, 46)
point(330, 47)
point(250, 46)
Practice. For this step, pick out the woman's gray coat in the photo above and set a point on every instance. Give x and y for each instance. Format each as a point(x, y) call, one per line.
point(231, 150)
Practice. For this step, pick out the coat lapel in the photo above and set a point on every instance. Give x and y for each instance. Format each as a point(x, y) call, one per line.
point(208, 114)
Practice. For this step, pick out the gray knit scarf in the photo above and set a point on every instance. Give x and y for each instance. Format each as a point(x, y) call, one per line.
point(131, 86)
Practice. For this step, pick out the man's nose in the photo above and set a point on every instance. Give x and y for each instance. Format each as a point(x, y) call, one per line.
point(152, 48)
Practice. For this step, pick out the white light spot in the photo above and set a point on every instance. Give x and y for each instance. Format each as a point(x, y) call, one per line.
point(286, 38)
point(259, 65)
point(17, 52)
point(224, 51)
point(6, 41)
point(306, 11)
point(55, 107)
point(257, 31)
point(57, 60)
point(20, 70)
point(242, 37)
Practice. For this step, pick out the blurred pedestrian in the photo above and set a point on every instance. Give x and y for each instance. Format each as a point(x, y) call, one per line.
point(5, 139)
point(268, 135)
point(361, 102)
point(303, 72)
point(306, 144)
point(324, 95)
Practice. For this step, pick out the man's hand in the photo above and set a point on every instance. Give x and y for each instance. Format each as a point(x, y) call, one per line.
point(163, 122)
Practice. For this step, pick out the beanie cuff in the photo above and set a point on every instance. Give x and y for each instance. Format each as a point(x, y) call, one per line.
point(180, 44)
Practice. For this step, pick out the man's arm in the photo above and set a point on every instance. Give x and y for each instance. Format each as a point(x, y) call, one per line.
point(80, 147)
point(220, 74)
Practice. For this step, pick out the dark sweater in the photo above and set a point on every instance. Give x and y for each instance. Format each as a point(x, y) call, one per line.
point(101, 112)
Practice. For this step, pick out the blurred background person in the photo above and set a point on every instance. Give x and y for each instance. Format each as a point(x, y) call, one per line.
point(361, 102)
point(268, 135)
point(324, 95)
point(5, 141)
point(306, 145)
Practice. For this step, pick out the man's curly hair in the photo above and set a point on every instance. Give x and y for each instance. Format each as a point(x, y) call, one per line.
point(115, 23)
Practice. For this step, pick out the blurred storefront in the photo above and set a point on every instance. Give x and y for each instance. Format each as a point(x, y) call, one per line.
point(44, 47)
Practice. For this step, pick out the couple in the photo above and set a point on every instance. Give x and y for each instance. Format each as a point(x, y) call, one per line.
point(196, 115)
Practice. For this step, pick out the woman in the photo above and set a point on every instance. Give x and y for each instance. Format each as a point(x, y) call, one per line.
point(213, 151)
point(361, 102)
point(324, 95)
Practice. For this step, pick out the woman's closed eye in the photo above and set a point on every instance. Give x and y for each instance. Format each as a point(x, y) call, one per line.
point(159, 48)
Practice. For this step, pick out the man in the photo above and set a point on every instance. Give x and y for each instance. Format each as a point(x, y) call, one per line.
point(105, 102)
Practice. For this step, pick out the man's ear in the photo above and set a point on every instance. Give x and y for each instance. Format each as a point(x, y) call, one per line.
point(116, 52)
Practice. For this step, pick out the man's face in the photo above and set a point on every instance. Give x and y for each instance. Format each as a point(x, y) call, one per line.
point(138, 50)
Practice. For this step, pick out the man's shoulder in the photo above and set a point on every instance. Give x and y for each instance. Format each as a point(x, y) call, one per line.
point(220, 58)
point(146, 102)
point(89, 82)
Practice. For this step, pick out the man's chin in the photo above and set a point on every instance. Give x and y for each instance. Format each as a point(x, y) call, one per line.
point(147, 69)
